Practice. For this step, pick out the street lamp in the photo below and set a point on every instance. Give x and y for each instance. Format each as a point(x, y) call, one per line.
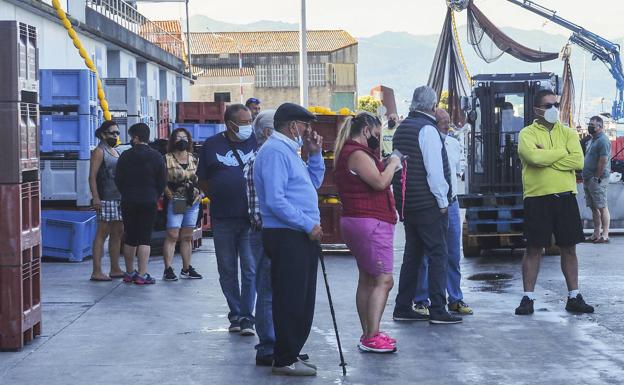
point(240, 61)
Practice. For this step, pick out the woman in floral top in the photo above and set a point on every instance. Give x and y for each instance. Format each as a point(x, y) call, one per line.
point(183, 205)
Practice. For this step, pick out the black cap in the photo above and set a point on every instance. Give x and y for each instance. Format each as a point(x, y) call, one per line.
point(290, 111)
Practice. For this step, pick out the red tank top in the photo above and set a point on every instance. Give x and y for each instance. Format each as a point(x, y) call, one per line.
point(358, 199)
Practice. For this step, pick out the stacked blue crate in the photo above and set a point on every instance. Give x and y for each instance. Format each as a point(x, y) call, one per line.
point(69, 112)
point(69, 117)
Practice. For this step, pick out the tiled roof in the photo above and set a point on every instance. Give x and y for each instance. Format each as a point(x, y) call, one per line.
point(174, 27)
point(203, 43)
point(219, 72)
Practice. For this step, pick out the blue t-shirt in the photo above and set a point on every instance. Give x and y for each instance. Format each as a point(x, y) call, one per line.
point(226, 183)
point(596, 148)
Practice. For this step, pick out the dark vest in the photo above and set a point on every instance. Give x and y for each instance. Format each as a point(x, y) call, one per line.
point(359, 200)
point(418, 195)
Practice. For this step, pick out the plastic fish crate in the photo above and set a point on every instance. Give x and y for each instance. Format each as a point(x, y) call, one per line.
point(19, 126)
point(19, 62)
point(69, 133)
point(68, 235)
point(123, 94)
point(66, 180)
point(20, 222)
point(60, 87)
point(20, 301)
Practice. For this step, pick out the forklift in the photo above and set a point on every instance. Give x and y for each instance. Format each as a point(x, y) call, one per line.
point(499, 107)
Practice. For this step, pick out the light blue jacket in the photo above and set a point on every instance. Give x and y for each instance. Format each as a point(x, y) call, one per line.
point(286, 185)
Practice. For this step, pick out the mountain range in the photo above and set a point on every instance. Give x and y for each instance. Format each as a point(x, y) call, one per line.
point(402, 61)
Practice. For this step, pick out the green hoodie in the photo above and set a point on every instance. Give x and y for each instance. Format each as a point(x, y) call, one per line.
point(550, 170)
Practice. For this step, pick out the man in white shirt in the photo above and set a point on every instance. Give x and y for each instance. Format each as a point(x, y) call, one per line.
point(453, 234)
point(422, 193)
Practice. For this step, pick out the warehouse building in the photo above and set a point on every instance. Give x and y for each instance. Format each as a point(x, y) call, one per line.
point(270, 67)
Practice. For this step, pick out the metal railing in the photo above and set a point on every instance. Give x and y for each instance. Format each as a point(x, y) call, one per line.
point(130, 18)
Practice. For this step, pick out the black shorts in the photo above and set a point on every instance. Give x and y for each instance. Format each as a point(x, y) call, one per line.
point(550, 215)
point(138, 219)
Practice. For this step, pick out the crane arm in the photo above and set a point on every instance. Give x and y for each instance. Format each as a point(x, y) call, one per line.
point(600, 48)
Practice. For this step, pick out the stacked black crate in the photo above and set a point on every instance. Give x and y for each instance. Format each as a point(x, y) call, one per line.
point(20, 243)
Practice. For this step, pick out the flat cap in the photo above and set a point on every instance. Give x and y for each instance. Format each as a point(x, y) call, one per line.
point(290, 111)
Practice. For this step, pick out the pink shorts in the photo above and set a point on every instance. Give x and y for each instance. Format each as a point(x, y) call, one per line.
point(371, 242)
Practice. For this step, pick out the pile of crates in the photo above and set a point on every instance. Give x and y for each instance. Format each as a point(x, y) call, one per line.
point(201, 119)
point(69, 118)
point(20, 243)
point(328, 127)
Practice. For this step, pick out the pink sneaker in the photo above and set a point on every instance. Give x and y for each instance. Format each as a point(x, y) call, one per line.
point(377, 344)
point(388, 338)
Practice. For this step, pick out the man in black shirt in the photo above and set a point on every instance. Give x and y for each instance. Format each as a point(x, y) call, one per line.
point(140, 178)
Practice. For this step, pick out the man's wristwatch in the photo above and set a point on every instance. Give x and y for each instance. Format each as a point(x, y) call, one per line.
point(598, 179)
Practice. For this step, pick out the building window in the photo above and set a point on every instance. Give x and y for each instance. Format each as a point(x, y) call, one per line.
point(316, 74)
point(222, 97)
point(262, 76)
point(277, 75)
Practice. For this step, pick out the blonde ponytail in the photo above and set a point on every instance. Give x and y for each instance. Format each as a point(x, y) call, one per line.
point(343, 135)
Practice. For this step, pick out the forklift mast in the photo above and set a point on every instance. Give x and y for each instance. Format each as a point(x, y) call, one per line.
point(502, 104)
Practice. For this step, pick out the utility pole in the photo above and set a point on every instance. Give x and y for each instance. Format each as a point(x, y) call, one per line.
point(188, 40)
point(303, 58)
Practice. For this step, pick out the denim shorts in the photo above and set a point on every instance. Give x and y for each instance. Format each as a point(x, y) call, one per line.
point(188, 219)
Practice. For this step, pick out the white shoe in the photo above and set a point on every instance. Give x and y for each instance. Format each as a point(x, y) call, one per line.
point(296, 369)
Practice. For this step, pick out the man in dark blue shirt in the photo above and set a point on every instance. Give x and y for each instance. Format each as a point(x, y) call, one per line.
point(220, 172)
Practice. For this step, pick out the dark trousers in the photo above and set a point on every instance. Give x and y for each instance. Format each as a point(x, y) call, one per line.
point(294, 263)
point(425, 234)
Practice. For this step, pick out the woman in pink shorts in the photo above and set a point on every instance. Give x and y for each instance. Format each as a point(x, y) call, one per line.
point(368, 220)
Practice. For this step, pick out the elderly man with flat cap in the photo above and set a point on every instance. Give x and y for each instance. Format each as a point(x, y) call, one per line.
point(286, 188)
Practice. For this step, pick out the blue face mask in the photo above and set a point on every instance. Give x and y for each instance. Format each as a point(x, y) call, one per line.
point(244, 132)
point(298, 138)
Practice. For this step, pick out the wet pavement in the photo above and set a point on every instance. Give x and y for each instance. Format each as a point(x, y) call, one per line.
point(175, 332)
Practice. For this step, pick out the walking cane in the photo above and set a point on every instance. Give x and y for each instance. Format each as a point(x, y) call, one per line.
point(331, 309)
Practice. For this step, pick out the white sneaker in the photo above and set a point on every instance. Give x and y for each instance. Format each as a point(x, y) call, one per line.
point(296, 369)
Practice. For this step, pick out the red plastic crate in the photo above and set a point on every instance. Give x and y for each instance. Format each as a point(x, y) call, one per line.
point(20, 301)
point(200, 112)
point(206, 225)
point(617, 148)
point(19, 126)
point(20, 222)
point(328, 127)
point(330, 222)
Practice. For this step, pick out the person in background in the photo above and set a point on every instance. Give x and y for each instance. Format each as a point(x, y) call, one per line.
point(367, 222)
point(453, 234)
point(596, 172)
point(550, 154)
point(291, 232)
point(254, 106)
point(422, 193)
point(106, 201)
point(141, 178)
point(220, 173)
point(263, 128)
point(183, 206)
point(387, 133)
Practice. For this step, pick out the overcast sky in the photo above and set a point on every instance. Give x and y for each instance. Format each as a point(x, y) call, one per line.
point(364, 18)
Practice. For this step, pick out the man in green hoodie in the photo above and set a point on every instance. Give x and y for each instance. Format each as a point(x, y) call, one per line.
point(550, 154)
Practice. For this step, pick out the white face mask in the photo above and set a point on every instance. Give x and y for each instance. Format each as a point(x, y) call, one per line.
point(551, 115)
point(244, 132)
